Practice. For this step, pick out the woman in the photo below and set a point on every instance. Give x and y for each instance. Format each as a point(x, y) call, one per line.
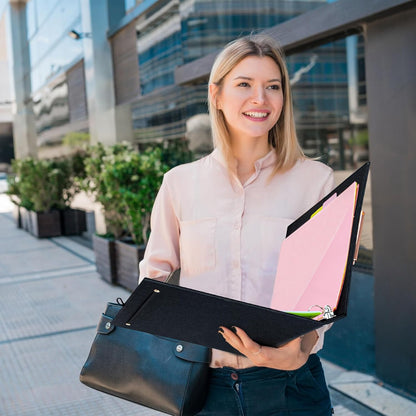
point(222, 220)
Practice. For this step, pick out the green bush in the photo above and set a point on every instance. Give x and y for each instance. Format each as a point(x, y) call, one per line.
point(74, 167)
point(76, 139)
point(174, 152)
point(94, 185)
point(126, 181)
point(38, 183)
point(43, 185)
point(132, 181)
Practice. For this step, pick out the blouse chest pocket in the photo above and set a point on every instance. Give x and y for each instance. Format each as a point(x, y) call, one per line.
point(197, 245)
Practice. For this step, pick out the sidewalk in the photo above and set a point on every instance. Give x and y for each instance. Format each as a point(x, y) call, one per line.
point(51, 298)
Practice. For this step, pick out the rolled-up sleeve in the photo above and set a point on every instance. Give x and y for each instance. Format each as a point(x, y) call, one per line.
point(162, 251)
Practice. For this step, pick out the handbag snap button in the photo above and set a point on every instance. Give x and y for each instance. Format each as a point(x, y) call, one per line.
point(108, 325)
point(179, 348)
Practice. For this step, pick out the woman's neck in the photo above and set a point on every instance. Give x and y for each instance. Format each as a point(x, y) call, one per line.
point(246, 155)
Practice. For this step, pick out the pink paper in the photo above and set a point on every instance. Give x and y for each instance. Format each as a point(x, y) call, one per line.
point(313, 259)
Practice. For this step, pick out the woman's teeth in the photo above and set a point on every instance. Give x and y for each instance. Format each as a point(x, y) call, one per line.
point(255, 114)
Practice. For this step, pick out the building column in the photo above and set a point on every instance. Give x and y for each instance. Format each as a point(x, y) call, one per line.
point(107, 122)
point(24, 131)
point(391, 94)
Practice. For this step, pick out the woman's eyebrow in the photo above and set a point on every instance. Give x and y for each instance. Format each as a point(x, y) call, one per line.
point(243, 77)
point(251, 79)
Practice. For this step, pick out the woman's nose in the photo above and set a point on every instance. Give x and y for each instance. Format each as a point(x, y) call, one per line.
point(258, 95)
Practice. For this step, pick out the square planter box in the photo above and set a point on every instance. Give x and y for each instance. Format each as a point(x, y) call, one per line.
point(105, 258)
point(16, 216)
point(45, 224)
point(73, 221)
point(128, 256)
point(25, 219)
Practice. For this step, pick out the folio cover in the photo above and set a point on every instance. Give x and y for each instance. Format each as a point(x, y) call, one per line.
point(194, 316)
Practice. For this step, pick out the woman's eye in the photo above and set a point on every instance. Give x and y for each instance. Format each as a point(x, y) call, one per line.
point(274, 87)
point(243, 84)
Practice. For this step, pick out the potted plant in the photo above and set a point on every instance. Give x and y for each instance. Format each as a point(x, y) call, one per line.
point(37, 186)
point(15, 197)
point(93, 184)
point(132, 180)
point(73, 220)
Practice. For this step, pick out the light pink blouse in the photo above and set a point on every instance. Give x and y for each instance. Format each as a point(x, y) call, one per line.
point(226, 236)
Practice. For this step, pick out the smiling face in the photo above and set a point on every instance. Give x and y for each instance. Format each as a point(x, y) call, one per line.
point(251, 98)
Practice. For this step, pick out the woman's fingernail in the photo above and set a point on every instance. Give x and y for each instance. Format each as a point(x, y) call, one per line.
point(220, 330)
point(234, 329)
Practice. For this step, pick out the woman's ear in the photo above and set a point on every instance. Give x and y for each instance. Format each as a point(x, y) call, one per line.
point(213, 94)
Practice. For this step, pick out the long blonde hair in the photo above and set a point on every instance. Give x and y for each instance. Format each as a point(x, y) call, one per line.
point(282, 137)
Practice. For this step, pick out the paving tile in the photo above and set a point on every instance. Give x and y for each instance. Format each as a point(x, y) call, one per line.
point(44, 380)
point(351, 377)
point(51, 305)
point(37, 260)
point(74, 248)
point(378, 398)
point(343, 404)
point(20, 241)
point(343, 411)
point(6, 205)
point(50, 274)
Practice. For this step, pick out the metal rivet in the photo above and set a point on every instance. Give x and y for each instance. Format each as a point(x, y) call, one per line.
point(108, 325)
point(179, 348)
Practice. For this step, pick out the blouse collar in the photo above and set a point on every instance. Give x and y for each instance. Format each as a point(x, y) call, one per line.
point(268, 160)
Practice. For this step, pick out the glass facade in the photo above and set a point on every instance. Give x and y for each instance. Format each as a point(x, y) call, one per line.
point(51, 52)
point(50, 47)
point(208, 25)
point(330, 103)
point(177, 32)
point(51, 106)
point(158, 117)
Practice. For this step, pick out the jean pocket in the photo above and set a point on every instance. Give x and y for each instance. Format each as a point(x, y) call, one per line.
point(197, 245)
point(312, 381)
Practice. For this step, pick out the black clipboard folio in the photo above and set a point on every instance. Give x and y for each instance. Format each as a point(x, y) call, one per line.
point(190, 315)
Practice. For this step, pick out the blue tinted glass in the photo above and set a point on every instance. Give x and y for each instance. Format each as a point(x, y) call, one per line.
point(51, 49)
point(31, 18)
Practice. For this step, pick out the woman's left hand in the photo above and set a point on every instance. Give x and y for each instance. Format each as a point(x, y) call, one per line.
point(287, 357)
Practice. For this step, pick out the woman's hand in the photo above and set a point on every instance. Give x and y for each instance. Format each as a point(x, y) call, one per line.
point(290, 356)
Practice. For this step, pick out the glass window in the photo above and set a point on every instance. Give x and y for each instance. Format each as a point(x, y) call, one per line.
point(129, 4)
point(51, 49)
point(203, 27)
point(31, 18)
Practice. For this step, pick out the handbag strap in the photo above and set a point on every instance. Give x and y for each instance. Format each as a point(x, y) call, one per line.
point(174, 277)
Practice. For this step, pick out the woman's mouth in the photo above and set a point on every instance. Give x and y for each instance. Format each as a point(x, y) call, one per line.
point(256, 115)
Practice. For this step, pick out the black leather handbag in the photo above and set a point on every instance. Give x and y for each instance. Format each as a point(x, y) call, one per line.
point(161, 373)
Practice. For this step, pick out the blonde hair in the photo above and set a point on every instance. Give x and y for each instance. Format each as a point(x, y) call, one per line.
point(283, 135)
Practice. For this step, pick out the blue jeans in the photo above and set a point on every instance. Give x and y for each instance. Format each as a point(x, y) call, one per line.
point(260, 391)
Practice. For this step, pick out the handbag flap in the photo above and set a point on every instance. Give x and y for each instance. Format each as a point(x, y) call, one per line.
point(105, 325)
point(112, 309)
point(192, 352)
point(184, 350)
